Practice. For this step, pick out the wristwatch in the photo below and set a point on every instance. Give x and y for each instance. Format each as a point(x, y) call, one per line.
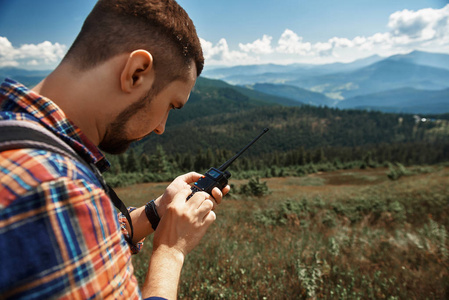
point(152, 215)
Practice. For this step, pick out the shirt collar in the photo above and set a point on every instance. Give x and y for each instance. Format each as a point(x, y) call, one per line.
point(16, 98)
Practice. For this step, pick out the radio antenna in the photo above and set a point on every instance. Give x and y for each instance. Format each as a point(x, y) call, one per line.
point(231, 160)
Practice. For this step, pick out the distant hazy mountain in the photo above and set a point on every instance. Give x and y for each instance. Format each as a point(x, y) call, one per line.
point(272, 73)
point(347, 67)
point(381, 76)
point(11, 71)
point(436, 60)
point(221, 73)
point(27, 77)
point(405, 100)
point(415, 82)
point(421, 70)
point(293, 92)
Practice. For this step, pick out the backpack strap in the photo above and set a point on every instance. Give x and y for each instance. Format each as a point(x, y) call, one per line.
point(15, 134)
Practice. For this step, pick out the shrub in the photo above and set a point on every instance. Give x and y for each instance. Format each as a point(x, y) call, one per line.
point(396, 171)
point(438, 235)
point(254, 188)
point(398, 211)
point(329, 219)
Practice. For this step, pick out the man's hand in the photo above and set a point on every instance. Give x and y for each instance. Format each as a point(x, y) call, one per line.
point(181, 228)
point(180, 183)
point(184, 223)
point(141, 225)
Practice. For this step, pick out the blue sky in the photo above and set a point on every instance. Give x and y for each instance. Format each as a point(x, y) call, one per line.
point(36, 34)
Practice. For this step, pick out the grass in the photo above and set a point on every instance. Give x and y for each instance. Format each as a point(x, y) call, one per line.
point(352, 234)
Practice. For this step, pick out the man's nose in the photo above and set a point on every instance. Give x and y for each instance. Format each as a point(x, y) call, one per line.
point(161, 127)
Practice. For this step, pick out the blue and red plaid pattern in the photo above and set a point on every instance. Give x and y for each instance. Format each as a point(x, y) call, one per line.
point(60, 236)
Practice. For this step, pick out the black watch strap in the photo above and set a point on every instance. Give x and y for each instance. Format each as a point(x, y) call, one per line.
point(152, 215)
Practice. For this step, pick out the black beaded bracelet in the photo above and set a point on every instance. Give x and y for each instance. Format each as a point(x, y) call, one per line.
point(152, 215)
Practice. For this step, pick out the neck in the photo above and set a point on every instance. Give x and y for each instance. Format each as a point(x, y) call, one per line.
point(80, 96)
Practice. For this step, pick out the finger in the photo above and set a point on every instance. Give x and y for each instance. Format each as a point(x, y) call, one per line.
point(209, 218)
point(197, 199)
point(190, 177)
point(226, 190)
point(181, 196)
point(205, 208)
point(217, 195)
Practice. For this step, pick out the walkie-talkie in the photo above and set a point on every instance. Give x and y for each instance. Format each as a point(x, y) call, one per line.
point(218, 177)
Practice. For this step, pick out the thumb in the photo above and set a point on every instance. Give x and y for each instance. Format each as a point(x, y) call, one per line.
point(190, 177)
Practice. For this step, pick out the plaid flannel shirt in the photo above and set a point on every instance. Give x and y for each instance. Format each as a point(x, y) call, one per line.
point(60, 236)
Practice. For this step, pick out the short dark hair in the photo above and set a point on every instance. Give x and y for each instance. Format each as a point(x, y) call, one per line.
point(161, 27)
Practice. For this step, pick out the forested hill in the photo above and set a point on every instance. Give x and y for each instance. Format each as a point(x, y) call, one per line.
point(225, 117)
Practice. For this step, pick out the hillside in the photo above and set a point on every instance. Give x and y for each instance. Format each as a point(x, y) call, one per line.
point(230, 128)
point(294, 93)
point(206, 86)
point(405, 100)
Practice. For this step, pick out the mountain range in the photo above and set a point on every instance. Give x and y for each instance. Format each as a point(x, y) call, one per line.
point(224, 116)
point(417, 82)
point(418, 77)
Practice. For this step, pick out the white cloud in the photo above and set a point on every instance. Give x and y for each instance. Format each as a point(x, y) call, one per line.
point(291, 43)
point(426, 29)
point(259, 46)
point(323, 49)
point(33, 63)
point(42, 55)
point(7, 53)
point(220, 53)
point(424, 24)
point(341, 42)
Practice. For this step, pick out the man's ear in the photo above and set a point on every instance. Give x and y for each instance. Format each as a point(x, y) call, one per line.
point(137, 70)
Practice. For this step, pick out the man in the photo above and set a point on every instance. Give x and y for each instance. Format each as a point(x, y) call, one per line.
point(133, 61)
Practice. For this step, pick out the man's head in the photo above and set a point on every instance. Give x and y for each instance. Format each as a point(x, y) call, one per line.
point(148, 114)
point(152, 55)
point(161, 27)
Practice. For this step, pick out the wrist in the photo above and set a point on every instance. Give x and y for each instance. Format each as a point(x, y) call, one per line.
point(152, 214)
point(171, 253)
point(158, 204)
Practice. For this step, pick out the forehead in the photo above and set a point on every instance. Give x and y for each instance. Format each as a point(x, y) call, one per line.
point(181, 87)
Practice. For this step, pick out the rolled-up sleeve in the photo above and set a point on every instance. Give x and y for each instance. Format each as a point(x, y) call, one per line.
point(135, 248)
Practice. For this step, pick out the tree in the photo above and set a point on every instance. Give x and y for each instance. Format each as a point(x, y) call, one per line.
point(122, 162)
point(159, 162)
point(132, 164)
point(199, 161)
point(301, 156)
point(144, 162)
point(187, 163)
point(319, 156)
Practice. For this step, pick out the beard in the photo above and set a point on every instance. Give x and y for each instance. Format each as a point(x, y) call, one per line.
point(115, 140)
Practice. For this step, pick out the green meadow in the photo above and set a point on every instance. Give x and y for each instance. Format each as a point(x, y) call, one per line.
point(374, 233)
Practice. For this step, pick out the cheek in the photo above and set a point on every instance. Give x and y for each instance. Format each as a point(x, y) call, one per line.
point(145, 121)
point(140, 126)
